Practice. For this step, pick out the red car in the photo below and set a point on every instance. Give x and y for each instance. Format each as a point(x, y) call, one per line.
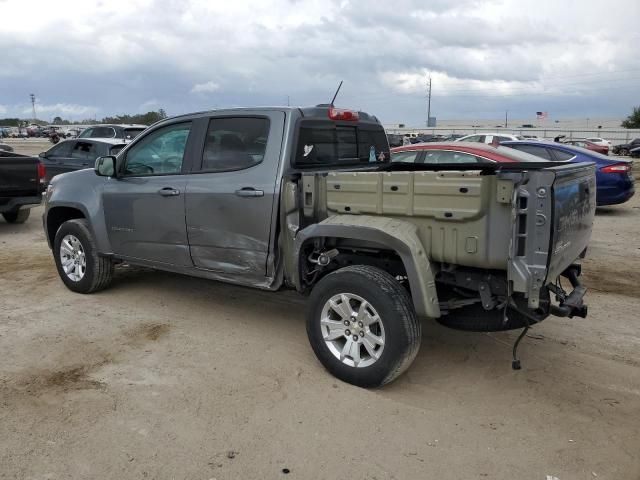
point(603, 149)
point(459, 152)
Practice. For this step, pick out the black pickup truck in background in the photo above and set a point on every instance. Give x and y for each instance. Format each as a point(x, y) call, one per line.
point(21, 184)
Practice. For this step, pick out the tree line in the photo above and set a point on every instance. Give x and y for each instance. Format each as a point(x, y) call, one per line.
point(140, 118)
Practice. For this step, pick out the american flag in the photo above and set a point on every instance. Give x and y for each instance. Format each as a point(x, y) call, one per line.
point(542, 115)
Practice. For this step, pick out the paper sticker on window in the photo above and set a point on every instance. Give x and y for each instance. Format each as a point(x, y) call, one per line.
point(307, 150)
point(372, 153)
point(381, 157)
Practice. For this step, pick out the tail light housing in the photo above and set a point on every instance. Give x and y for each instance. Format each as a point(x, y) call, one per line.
point(42, 172)
point(616, 168)
point(342, 114)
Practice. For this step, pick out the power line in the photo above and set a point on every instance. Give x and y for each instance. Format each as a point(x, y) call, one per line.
point(33, 104)
point(429, 101)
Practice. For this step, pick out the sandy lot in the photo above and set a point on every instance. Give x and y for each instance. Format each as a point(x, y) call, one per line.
point(163, 376)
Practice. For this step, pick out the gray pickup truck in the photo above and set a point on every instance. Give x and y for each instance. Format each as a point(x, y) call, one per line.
point(307, 198)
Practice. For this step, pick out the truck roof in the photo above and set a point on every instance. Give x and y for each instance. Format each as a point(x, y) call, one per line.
point(320, 111)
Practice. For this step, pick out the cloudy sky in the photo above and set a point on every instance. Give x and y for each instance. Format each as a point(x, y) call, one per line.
point(91, 58)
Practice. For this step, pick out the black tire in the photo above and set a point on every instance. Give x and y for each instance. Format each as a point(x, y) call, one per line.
point(624, 152)
point(17, 217)
point(397, 315)
point(99, 270)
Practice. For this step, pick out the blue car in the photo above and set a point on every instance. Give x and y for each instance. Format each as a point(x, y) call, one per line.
point(614, 180)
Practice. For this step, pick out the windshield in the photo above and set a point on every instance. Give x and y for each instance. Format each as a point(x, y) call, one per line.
point(98, 132)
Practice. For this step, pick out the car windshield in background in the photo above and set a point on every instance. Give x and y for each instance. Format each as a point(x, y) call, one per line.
point(324, 143)
point(99, 132)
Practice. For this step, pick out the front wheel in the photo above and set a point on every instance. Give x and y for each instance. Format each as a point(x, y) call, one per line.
point(77, 260)
point(17, 217)
point(362, 326)
point(624, 152)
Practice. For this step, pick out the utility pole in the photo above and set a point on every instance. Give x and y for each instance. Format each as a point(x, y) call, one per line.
point(429, 101)
point(506, 118)
point(288, 104)
point(33, 105)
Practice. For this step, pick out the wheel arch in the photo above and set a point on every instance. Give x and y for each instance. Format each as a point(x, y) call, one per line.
point(56, 216)
point(395, 235)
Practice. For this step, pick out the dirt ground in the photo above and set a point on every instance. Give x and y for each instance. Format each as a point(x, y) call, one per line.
point(163, 376)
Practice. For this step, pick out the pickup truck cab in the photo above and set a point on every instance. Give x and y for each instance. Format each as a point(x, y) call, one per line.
point(307, 198)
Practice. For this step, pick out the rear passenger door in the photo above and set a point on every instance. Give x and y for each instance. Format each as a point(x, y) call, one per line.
point(232, 193)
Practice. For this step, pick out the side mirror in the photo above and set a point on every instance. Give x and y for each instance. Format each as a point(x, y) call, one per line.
point(42, 154)
point(105, 166)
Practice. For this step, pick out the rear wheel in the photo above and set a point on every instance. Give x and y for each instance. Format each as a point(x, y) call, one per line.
point(362, 326)
point(77, 260)
point(624, 152)
point(17, 217)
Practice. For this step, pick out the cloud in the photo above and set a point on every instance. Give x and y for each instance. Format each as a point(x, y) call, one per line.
point(207, 87)
point(149, 105)
point(3, 110)
point(483, 56)
point(71, 110)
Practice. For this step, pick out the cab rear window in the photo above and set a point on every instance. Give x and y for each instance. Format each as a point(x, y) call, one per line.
point(325, 143)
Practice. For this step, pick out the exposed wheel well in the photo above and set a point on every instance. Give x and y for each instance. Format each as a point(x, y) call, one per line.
point(57, 216)
point(347, 252)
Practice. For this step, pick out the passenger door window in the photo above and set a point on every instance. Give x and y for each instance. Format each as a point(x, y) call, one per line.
point(540, 152)
point(159, 153)
point(234, 143)
point(405, 157)
point(563, 156)
point(83, 152)
point(61, 150)
point(448, 156)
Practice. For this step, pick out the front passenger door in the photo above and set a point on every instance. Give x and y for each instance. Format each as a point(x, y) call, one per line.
point(144, 206)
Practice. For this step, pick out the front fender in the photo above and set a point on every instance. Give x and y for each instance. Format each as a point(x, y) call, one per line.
point(395, 235)
point(81, 190)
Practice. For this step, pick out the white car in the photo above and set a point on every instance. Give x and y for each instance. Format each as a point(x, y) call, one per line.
point(600, 141)
point(490, 137)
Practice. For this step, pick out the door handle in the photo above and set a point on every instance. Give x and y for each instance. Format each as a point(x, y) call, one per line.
point(249, 192)
point(168, 192)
